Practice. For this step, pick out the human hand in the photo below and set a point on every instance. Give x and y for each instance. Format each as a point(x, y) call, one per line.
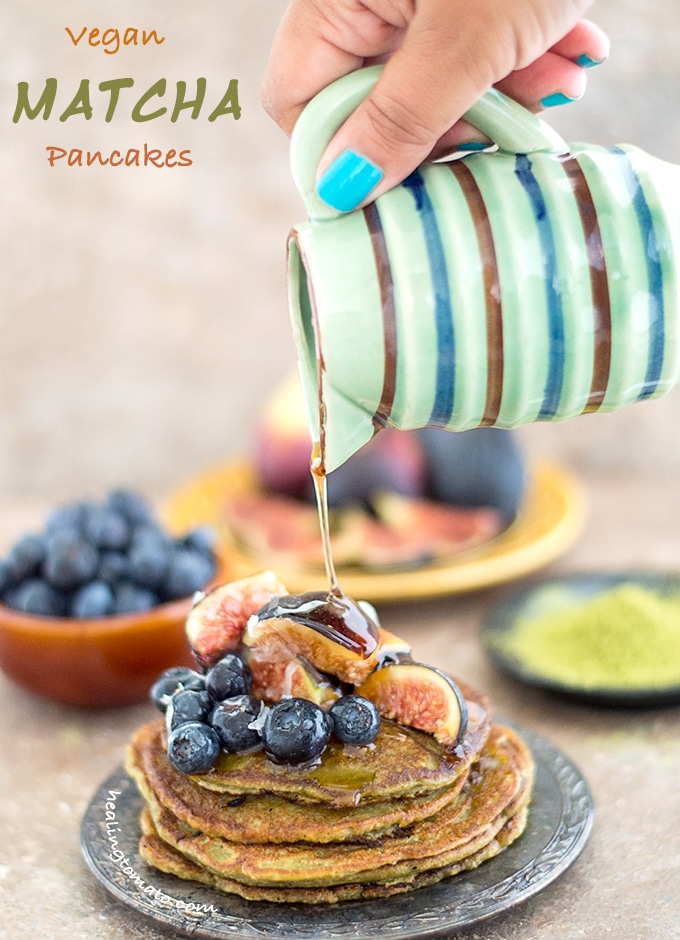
point(441, 56)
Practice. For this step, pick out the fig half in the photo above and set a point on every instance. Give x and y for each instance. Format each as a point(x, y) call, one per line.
point(328, 629)
point(216, 622)
point(421, 697)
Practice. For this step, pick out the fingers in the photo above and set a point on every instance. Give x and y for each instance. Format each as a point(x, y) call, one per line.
point(586, 45)
point(438, 63)
point(301, 38)
point(548, 81)
point(555, 78)
point(316, 44)
point(426, 85)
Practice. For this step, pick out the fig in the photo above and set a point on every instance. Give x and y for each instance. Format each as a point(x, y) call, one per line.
point(421, 697)
point(283, 678)
point(444, 529)
point(215, 623)
point(328, 629)
point(478, 467)
point(392, 460)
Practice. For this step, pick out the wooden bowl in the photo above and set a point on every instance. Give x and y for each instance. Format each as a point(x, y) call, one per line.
point(104, 662)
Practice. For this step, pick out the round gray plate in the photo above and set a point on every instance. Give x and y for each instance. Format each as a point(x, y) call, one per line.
point(560, 820)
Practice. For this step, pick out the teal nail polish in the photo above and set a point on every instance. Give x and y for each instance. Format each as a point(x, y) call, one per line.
point(586, 62)
point(558, 98)
point(472, 145)
point(348, 180)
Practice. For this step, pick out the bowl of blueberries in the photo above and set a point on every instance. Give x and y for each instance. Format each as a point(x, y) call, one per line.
point(93, 606)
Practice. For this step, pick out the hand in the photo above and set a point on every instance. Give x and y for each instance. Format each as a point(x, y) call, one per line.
point(441, 56)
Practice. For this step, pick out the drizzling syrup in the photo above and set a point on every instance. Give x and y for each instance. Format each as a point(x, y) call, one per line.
point(321, 491)
point(331, 613)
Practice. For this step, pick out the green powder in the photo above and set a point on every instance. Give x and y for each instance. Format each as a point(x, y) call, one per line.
point(625, 638)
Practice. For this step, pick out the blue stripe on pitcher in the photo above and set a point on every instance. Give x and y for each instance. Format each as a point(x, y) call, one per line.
point(555, 378)
point(650, 244)
point(446, 369)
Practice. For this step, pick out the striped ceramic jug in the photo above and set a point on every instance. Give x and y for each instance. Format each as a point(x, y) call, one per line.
point(535, 282)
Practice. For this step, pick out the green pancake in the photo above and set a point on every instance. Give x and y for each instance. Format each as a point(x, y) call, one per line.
point(401, 763)
point(497, 788)
point(264, 818)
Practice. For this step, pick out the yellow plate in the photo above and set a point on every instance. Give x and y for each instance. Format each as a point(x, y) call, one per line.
point(550, 520)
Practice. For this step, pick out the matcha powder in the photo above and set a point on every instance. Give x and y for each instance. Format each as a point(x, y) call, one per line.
point(625, 638)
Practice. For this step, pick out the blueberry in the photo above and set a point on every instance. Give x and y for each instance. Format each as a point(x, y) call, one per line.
point(295, 731)
point(188, 571)
point(69, 560)
point(26, 557)
point(355, 719)
point(113, 567)
point(203, 540)
point(149, 559)
point(130, 598)
point(232, 719)
point(173, 680)
point(7, 580)
point(133, 506)
point(189, 705)
point(66, 518)
point(228, 677)
point(106, 528)
point(94, 599)
point(193, 747)
point(36, 596)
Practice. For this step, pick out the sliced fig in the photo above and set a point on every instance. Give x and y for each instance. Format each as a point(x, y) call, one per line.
point(215, 623)
point(445, 529)
point(421, 697)
point(329, 630)
point(285, 678)
point(275, 526)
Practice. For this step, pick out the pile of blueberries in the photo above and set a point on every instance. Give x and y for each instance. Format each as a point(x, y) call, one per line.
point(209, 713)
point(99, 559)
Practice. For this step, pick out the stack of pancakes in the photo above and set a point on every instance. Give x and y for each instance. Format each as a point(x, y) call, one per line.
point(363, 822)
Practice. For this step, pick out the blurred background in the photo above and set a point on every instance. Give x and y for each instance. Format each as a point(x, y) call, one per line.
point(143, 310)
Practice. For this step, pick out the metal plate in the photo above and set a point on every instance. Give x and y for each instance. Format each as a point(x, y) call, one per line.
point(560, 821)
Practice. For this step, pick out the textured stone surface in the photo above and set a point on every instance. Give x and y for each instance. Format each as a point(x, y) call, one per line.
point(143, 311)
point(625, 885)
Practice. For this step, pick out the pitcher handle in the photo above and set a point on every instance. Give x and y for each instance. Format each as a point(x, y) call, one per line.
point(509, 125)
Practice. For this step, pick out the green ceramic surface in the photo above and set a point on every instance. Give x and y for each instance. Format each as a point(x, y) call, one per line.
point(534, 282)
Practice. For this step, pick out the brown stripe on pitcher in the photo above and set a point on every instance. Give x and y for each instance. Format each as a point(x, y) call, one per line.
point(384, 272)
point(599, 284)
point(492, 291)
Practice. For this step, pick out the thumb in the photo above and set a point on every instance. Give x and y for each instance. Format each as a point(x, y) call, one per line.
point(417, 98)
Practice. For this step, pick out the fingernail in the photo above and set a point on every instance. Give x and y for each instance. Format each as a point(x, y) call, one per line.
point(586, 62)
point(348, 180)
point(472, 145)
point(558, 98)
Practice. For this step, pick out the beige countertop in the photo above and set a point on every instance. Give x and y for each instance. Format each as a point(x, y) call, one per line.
point(626, 884)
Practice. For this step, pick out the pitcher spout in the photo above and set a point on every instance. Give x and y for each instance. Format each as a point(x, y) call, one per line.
point(338, 423)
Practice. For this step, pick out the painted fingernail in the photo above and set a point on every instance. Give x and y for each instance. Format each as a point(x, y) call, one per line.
point(558, 98)
point(471, 145)
point(586, 62)
point(348, 181)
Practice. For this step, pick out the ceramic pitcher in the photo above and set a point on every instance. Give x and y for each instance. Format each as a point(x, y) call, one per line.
point(534, 282)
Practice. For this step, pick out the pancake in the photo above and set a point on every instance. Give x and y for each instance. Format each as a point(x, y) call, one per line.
point(160, 855)
point(488, 813)
point(266, 818)
point(402, 763)
point(497, 789)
